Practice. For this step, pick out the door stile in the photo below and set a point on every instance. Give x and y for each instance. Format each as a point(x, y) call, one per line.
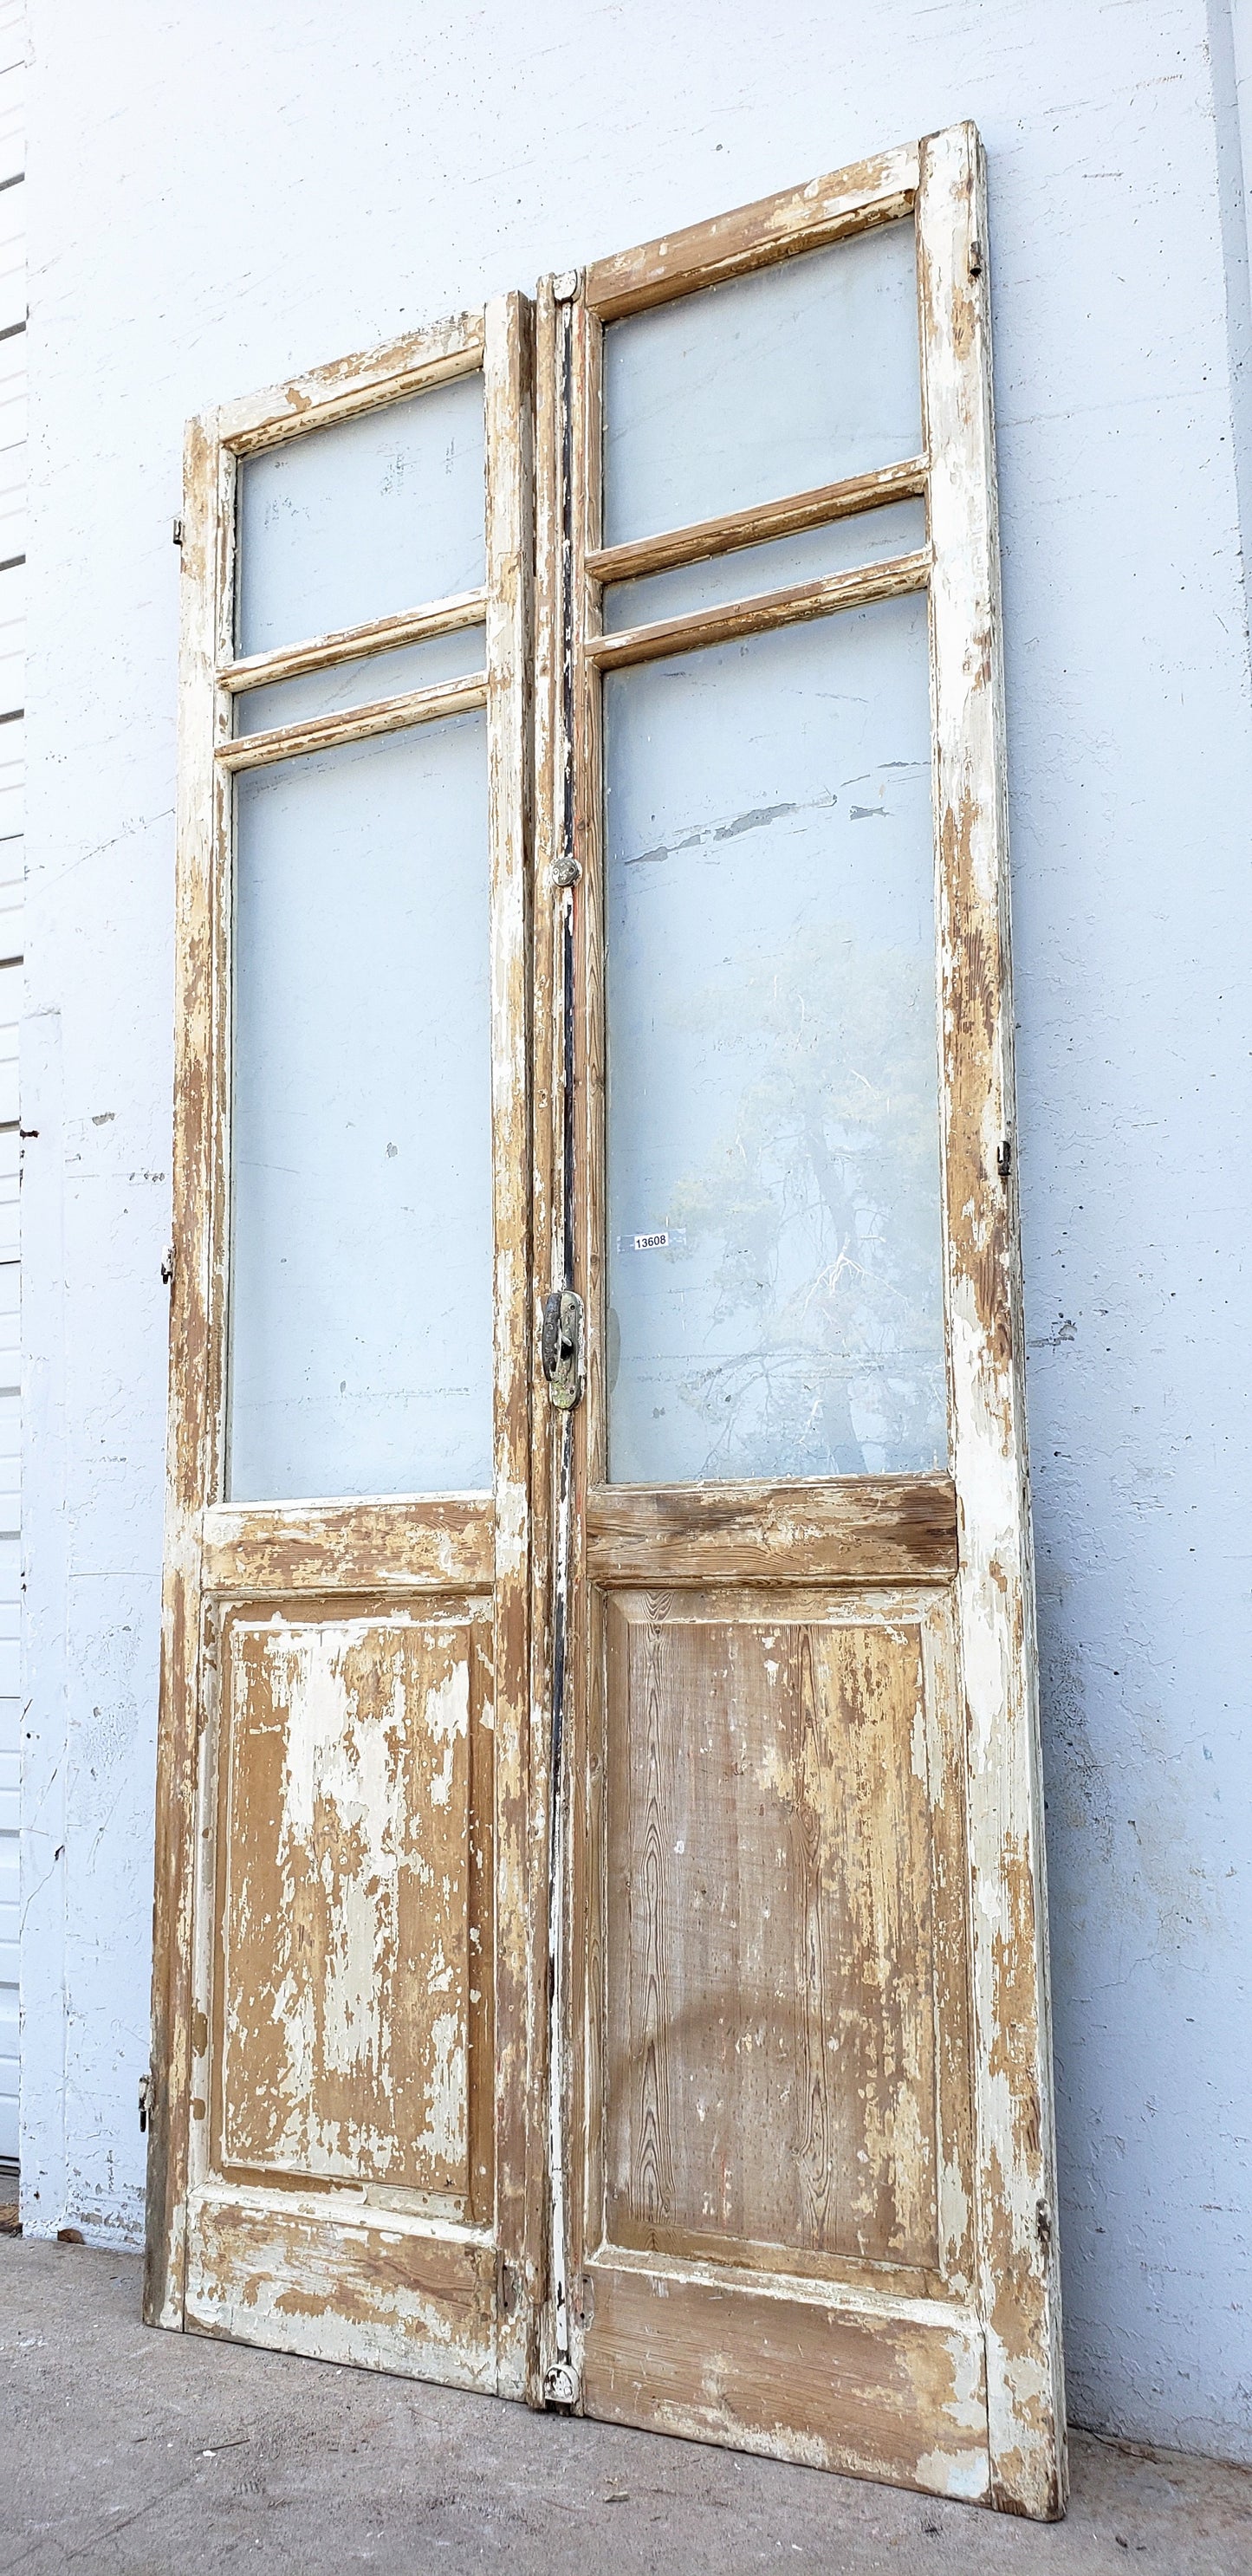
point(508, 385)
point(995, 1582)
point(546, 1241)
point(588, 1858)
point(567, 471)
point(196, 1313)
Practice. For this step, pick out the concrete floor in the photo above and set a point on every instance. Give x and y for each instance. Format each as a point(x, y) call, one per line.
point(129, 2453)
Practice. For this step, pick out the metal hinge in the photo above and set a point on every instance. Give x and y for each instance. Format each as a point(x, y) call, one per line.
point(147, 2100)
point(178, 532)
point(167, 1266)
point(1004, 1159)
point(561, 1347)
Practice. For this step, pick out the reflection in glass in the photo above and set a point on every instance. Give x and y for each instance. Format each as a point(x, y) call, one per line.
point(361, 1322)
point(357, 684)
point(899, 528)
point(796, 375)
point(371, 516)
point(774, 1254)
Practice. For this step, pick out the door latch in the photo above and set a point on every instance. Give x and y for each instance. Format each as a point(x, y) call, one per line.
point(561, 1347)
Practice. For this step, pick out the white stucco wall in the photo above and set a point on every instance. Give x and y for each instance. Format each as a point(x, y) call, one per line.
point(221, 194)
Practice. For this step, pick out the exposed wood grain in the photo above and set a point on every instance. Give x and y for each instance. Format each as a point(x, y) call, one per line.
point(349, 385)
point(824, 210)
point(875, 2391)
point(745, 1855)
point(354, 643)
point(439, 1542)
point(758, 525)
point(546, 1230)
point(346, 2046)
point(583, 1929)
point(772, 1938)
point(704, 626)
point(505, 1967)
point(895, 1527)
point(387, 1872)
point(194, 1363)
point(1019, 2277)
point(342, 2284)
point(355, 724)
point(669, 1726)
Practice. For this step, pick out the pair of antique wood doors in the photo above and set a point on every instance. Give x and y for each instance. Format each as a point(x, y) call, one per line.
point(599, 1934)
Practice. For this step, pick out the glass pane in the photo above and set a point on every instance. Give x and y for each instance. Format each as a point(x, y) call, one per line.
point(361, 1342)
point(794, 376)
point(359, 521)
point(355, 684)
point(897, 529)
point(773, 1140)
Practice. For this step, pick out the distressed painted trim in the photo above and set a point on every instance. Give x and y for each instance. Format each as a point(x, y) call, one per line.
point(824, 210)
point(1019, 2284)
point(349, 385)
point(823, 598)
point(765, 521)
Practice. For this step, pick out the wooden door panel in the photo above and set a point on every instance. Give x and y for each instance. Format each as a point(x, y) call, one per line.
point(353, 1895)
point(875, 2392)
point(785, 1951)
point(343, 2284)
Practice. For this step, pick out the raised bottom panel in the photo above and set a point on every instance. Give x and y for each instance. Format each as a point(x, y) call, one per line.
point(372, 2292)
point(875, 2395)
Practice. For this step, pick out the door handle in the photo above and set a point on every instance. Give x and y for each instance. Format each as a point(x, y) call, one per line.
point(561, 1347)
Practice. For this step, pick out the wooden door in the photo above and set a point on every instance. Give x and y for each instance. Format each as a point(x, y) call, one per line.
point(800, 2100)
point(600, 1944)
point(338, 2101)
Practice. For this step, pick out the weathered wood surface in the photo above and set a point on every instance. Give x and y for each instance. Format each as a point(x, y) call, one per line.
point(348, 385)
point(1004, 2441)
point(343, 2284)
point(824, 210)
point(876, 2390)
point(328, 2007)
point(196, 1308)
point(756, 526)
point(895, 1527)
point(756, 616)
point(780, 1949)
point(353, 1902)
point(355, 724)
point(443, 1543)
point(354, 643)
point(507, 1966)
point(845, 1960)
point(1020, 2287)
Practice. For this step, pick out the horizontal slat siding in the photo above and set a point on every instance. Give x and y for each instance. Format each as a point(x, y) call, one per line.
point(12, 781)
